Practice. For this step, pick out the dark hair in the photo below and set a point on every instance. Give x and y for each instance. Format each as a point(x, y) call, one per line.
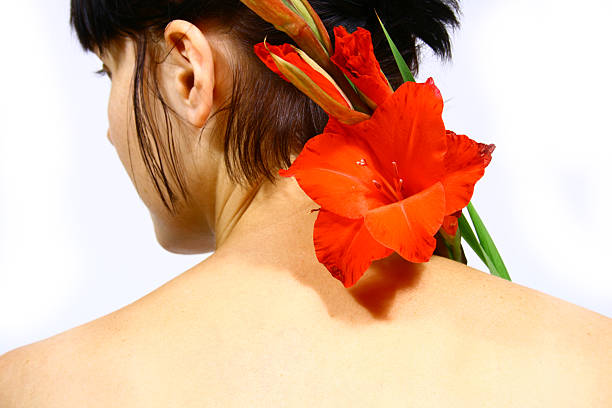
point(267, 119)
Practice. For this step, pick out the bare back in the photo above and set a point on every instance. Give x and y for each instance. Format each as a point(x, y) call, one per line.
point(442, 335)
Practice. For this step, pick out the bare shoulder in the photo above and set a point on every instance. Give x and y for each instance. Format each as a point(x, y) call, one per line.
point(25, 371)
point(452, 328)
point(524, 337)
point(60, 370)
point(511, 307)
point(443, 275)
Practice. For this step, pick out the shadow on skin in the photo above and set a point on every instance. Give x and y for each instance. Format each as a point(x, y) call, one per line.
point(378, 288)
point(375, 295)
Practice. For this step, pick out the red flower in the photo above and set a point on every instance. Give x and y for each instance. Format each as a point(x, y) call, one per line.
point(472, 158)
point(465, 162)
point(299, 21)
point(450, 224)
point(386, 184)
point(289, 54)
point(354, 55)
point(294, 66)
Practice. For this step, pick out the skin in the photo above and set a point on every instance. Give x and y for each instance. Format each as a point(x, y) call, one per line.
point(195, 81)
point(262, 323)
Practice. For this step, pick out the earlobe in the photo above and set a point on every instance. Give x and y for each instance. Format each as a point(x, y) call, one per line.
point(193, 71)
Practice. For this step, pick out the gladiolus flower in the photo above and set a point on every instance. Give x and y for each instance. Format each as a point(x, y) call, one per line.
point(296, 67)
point(297, 19)
point(354, 55)
point(450, 238)
point(386, 184)
point(450, 225)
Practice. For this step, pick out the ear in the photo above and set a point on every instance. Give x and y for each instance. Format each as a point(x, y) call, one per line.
point(192, 77)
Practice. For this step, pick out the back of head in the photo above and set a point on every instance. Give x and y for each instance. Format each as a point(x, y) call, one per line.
point(267, 118)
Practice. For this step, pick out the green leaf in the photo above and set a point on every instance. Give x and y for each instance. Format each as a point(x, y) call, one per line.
point(490, 250)
point(401, 63)
point(468, 234)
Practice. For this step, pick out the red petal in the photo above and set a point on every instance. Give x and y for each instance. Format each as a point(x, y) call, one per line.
point(288, 53)
point(345, 247)
point(262, 51)
point(329, 171)
point(354, 55)
point(408, 226)
point(450, 224)
point(407, 129)
point(465, 162)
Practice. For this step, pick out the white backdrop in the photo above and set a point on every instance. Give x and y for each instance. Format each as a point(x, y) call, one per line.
point(76, 243)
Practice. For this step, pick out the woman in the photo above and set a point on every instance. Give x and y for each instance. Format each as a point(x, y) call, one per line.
point(261, 322)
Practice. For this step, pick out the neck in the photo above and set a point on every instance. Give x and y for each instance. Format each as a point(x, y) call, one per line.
point(269, 234)
point(270, 218)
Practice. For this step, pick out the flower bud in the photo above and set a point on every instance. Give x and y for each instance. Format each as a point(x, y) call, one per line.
point(293, 65)
point(299, 21)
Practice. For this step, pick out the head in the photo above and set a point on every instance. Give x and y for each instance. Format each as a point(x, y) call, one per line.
point(192, 111)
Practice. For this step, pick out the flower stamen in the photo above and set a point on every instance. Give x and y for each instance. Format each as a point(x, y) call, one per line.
point(398, 183)
point(398, 186)
point(387, 190)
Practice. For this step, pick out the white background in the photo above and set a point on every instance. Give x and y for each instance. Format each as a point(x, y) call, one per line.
point(76, 242)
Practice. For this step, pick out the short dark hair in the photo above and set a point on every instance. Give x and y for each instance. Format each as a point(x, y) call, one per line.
point(267, 119)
